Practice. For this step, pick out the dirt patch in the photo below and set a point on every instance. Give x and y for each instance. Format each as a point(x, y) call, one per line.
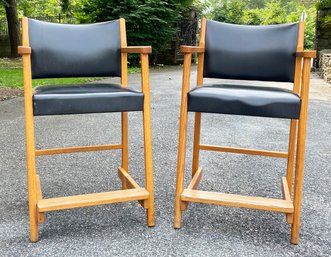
point(8, 93)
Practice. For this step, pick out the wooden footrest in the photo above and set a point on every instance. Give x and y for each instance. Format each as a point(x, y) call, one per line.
point(77, 201)
point(259, 203)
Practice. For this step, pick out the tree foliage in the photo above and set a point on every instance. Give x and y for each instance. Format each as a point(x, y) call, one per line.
point(262, 12)
point(42, 8)
point(148, 22)
point(323, 4)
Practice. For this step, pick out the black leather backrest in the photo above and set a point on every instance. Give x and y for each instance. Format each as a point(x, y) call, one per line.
point(63, 50)
point(250, 52)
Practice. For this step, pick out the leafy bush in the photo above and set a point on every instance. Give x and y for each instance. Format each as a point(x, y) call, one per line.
point(148, 22)
point(270, 12)
point(229, 12)
point(323, 4)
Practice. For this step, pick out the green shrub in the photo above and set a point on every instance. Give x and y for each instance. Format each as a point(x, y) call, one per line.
point(323, 4)
point(148, 22)
point(272, 12)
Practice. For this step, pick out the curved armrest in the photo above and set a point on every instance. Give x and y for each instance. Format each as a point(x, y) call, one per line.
point(306, 54)
point(24, 50)
point(137, 49)
point(192, 49)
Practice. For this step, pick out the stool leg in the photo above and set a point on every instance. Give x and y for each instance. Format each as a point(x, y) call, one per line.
point(149, 168)
point(182, 140)
point(290, 162)
point(125, 145)
point(32, 177)
point(180, 167)
point(148, 139)
point(299, 169)
point(197, 130)
point(298, 182)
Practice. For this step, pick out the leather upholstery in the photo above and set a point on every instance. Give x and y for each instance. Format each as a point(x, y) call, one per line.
point(62, 50)
point(245, 100)
point(245, 52)
point(88, 98)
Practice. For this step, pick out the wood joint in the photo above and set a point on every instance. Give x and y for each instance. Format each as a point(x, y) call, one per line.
point(287, 197)
point(306, 54)
point(191, 49)
point(41, 215)
point(193, 185)
point(131, 184)
point(22, 50)
point(137, 49)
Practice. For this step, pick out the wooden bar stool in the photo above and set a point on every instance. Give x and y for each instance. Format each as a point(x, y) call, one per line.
point(52, 50)
point(266, 53)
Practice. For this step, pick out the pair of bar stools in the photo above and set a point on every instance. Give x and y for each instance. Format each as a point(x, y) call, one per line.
point(267, 53)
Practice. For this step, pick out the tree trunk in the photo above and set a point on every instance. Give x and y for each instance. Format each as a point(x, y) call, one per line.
point(13, 26)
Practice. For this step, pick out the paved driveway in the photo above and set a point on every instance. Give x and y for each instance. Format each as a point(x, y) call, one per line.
point(120, 229)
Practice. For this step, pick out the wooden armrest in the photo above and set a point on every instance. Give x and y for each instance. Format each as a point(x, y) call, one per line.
point(24, 50)
point(306, 54)
point(137, 49)
point(192, 49)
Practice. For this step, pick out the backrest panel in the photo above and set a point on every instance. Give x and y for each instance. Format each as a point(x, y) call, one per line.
point(250, 52)
point(63, 50)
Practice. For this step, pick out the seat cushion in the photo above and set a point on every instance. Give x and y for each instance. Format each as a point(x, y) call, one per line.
point(245, 100)
point(88, 98)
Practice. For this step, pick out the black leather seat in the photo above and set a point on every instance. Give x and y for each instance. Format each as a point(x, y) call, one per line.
point(245, 100)
point(88, 98)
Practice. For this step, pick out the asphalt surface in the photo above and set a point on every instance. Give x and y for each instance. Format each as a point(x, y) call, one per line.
point(120, 229)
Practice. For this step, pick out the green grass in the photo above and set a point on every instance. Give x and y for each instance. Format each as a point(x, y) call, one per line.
point(11, 76)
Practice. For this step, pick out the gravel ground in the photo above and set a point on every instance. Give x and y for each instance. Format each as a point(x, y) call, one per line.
point(120, 229)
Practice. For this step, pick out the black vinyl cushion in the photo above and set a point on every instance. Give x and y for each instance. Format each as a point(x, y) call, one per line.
point(66, 50)
point(245, 100)
point(88, 98)
point(248, 52)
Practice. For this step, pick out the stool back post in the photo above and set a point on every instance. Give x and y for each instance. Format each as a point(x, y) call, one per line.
point(299, 169)
point(201, 56)
point(124, 115)
point(30, 138)
point(197, 118)
point(149, 181)
point(124, 55)
point(294, 123)
point(182, 140)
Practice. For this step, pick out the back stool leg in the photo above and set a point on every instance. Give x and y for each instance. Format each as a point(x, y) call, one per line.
point(299, 170)
point(32, 178)
point(180, 166)
point(125, 145)
point(197, 131)
point(290, 162)
point(149, 167)
point(148, 140)
point(182, 141)
point(299, 167)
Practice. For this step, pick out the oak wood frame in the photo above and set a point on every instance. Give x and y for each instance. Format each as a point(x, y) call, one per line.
point(131, 191)
point(295, 154)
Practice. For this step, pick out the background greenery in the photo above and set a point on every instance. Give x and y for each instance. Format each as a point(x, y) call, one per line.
point(262, 12)
point(153, 22)
point(11, 75)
